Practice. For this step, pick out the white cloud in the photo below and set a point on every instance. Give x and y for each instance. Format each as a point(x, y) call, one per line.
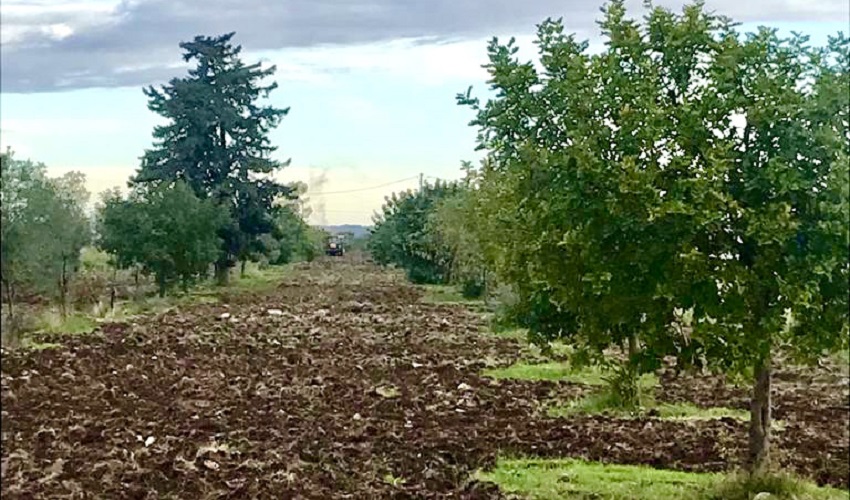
point(55, 19)
point(412, 59)
point(34, 7)
point(58, 31)
point(107, 34)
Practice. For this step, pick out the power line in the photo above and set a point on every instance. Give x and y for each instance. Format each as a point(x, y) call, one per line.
point(308, 193)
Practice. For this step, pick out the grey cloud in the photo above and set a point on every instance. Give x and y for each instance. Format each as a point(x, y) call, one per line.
point(137, 43)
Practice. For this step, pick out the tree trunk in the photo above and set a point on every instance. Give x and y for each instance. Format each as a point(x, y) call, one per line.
point(630, 390)
point(242, 271)
point(222, 273)
point(63, 288)
point(160, 279)
point(112, 289)
point(10, 334)
point(10, 299)
point(633, 346)
point(760, 419)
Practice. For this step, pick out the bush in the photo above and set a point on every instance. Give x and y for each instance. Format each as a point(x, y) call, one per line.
point(473, 288)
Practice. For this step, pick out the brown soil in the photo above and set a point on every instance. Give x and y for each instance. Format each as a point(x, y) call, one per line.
point(356, 379)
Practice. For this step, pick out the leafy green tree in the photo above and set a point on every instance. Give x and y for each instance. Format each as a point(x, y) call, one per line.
point(779, 246)
point(23, 187)
point(401, 235)
point(291, 238)
point(168, 231)
point(44, 228)
point(216, 141)
point(316, 239)
point(622, 191)
point(453, 223)
point(72, 229)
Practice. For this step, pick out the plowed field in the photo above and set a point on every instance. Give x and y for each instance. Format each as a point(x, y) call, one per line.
point(342, 383)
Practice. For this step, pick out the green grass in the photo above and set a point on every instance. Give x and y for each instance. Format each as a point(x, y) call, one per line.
point(392, 480)
point(555, 351)
point(526, 371)
point(842, 361)
point(559, 371)
point(688, 411)
point(256, 279)
point(51, 321)
point(520, 334)
point(157, 305)
point(780, 486)
point(38, 346)
point(446, 294)
point(554, 479)
point(541, 479)
point(600, 402)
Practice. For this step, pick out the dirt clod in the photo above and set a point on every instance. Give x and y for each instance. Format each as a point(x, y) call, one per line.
point(355, 378)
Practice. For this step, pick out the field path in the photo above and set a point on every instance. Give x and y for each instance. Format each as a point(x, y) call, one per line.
point(339, 383)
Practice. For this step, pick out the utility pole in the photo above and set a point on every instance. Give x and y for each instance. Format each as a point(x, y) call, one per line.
point(420, 180)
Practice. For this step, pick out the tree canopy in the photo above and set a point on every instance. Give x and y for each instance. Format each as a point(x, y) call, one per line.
point(44, 226)
point(216, 141)
point(685, 167)
point(167, 231)
point(401, 236)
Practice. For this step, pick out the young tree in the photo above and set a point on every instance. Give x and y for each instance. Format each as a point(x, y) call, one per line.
point(629, 192)
point(168, 231)
point(291, 238)
point(400, 235)
point(580, 153)
point(452, 222)
point(780, 247)
point(72, 229)
point(21, 183)
point(44, 227)
point(217, 141)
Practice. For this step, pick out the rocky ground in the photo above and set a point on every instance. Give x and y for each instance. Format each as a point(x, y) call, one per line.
point(342, 383)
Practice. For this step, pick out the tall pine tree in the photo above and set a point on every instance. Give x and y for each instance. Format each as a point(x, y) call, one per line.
point(216, 141)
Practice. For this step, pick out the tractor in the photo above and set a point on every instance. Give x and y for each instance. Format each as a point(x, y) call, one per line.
point(335, 246)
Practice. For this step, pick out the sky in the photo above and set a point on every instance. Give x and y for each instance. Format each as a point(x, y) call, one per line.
point(371, 83)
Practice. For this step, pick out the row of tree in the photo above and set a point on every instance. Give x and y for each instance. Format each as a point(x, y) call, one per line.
point(429, 234)
point(43, 227)
point(402, 234)
point(684, 168)
point(204, 195)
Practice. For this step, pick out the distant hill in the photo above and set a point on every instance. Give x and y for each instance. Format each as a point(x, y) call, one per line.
point(358, 230)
